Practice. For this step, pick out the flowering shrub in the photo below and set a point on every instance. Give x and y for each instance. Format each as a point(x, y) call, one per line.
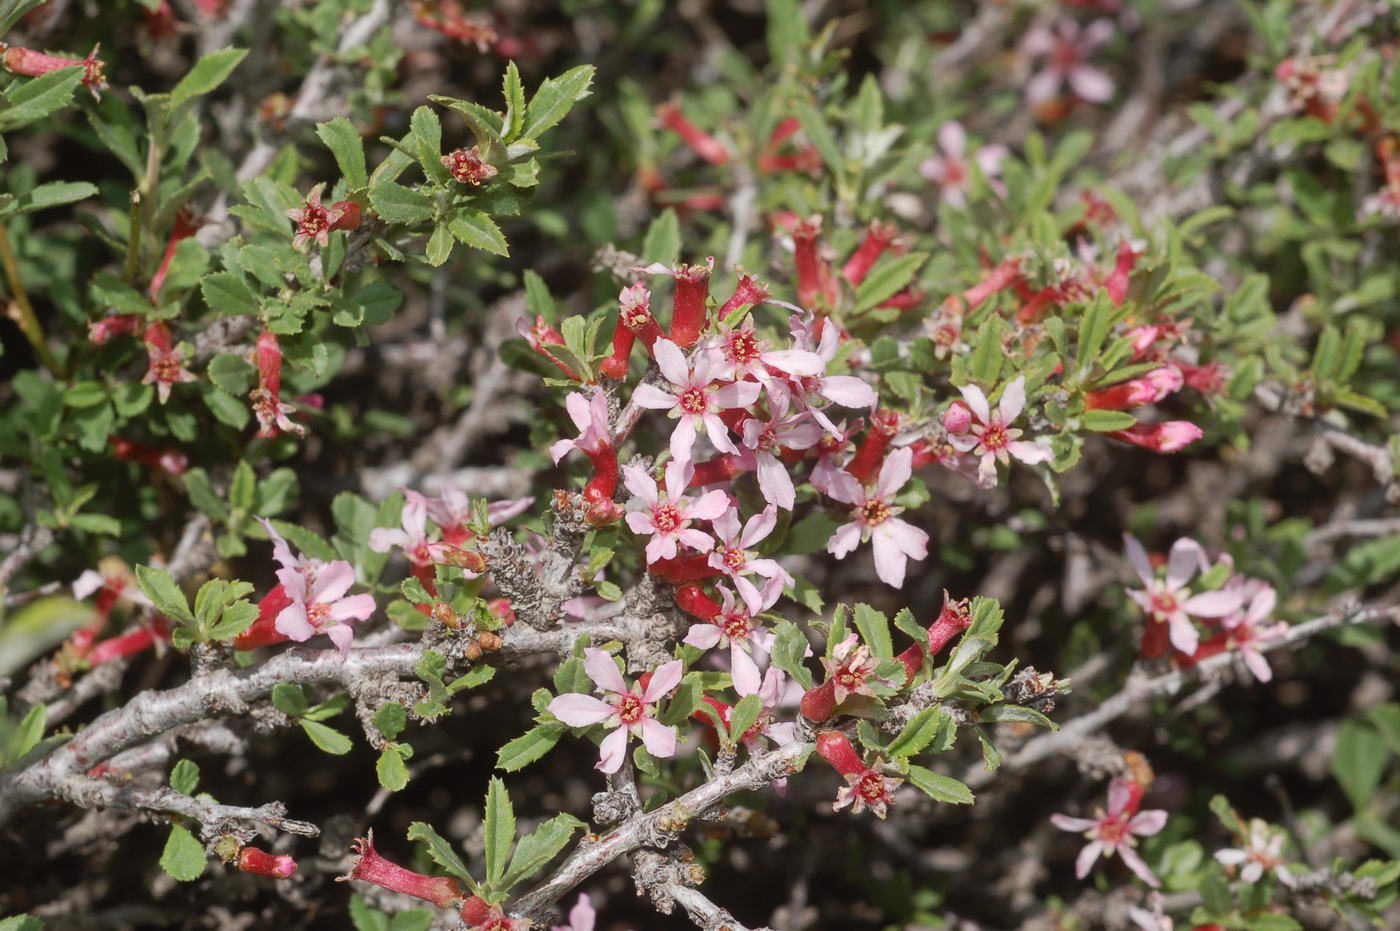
point(625, 459)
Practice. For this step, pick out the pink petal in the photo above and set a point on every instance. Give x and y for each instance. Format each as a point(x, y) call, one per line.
point(1212, 604)
point(1138, 557)
point(1043, 86)
point(292, 622)
point(341, 635)
point(640, 484)
point(1030, 453)
point(578, 710)
point(845, 539)
point(844, 487)
point(87, 583)
point(695, 539)
point(1013, 399)
point(671, 361)
point(759, 526)
point(678, 475)
point(775, 482)
point(726, 526)
point(660, 740)
point(356, 607)
point(1135, 864)
point(1184, 636)
point(383, 539)
point(912, 541)
point(333, 581)
point(952, 139)
point(847, 390)
point(1147, 823)
point(682, 440)
point(1066, 823)
point(1257, 664)
point(738, 394)
point(794, 362)
point(744, 671)
point(1085, 861)
point(977, 402)
point(718, 433)
point(613, 749)
point(890, 560)
point(709, 506)
point(662, 546)
point(897, 468)
point(1185, 560)
point(666, 677)
point(653, 398)
point(602, 670)
point(702, 636)
point(1091, 84)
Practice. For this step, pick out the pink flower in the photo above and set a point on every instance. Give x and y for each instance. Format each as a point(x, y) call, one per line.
point(845, 390)
point(1169, 437)
point(696, 400)
point(735, 627)
point(321, 605)
point(951, 172)
point(767, 437)
point(412, 537)
point(770, 694)
point(590, 415)
point(1165, 600)
point(1246, 627)
point(992, 437)
point(1262, 853)
point(282, 552)
point(453, 510)
point(627, 709)
point(733, 557)
point(1066, 51)
point(166, 367)
point(1113, 832)
point(667, 519)
point(745, 354)
point(581, 917)
point(850, 668)
point(894, 541)
point(316, 221)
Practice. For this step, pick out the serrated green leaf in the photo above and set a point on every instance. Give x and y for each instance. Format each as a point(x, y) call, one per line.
point(207, 74)
point(940, 788)
point(1018, 714)
point(391, 769)
point(440, 244)
point(538, 848)
point(398, 204)
point(1358, 760)
point(918, 733)
point(479, 231)
point(160, 588)
point(743, 715)
point(343, 139)
point(442, 852)
point(514, 93)
point(553, 101)
point(499, 829)
point(184, 777)
point(327, 738)
point(529, 746)
point(183, 857)
point(890, 274)
point(289, 698)
point(874, 630)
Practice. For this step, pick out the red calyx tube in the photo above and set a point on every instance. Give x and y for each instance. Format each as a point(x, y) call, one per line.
point(691, 599)
point(819, 703)
point(264, 631)
point(835, 747)
point(952, 620)
point(688, 313)
point(883, 426)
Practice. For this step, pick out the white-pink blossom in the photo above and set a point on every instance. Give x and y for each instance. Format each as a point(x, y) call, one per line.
point(320, 605)
point(735, 627)
point(581, 917)
point(590, 415)
point(1166, 600)
point(991, 436)
point(412, 534)
point(742, 354)
point(1263, 852)
point(696, 398)
point(626, 709)
point(767, 437)
point(667, 517)
point(845, 390)
point(1066, 50)
point(1114, 831)
point(951, 171)
point(894, 540)
point(733, 557)
point(1246, 627)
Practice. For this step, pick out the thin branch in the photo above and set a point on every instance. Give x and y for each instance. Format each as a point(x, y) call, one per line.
point(706, 914)
point(87, 792)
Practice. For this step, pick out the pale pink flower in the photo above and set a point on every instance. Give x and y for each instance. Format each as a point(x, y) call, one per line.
point(733, 557)
point(850, 669)
point(452, 511)
point(1113, 832)
point(736, 628)
point(770, 693)
point(991, 436)
point(845, 390)
point(868, 788)
point(951, 172)
point(626, 709)
point(767, 437)
point(581, 917)
point(590, 415)
point(412, 536)
point(1246, 627)
point(119, 585)
point(1167, 600)
point(894, 541)
point(282, 552)
point(696, 400)
point(667, 518)
point(321, 606)
point(744, 354)
point(314, 220)
point(1066, 51)
point(1262, 853)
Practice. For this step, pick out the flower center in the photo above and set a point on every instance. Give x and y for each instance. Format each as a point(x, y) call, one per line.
point(666, 518)
point(167, 369)
point(743, 347)
point(1112, 830)
point(874, 512)
point(630, 709)
point(736, 626)
point(953, 171)
point(314, 220)
point(850, 678)
point(693, 401)
point(316, 613)
point(994, 438)
point(872, 788)
point(1163, 603)
point(735, 559)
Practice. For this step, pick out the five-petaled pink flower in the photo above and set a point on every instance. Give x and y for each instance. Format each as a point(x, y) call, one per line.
point(733, 557)
point(736, 627)
point(1166, 600)
point(1246, 628)
point(166, 367)
point(590, 415)
point(321, 606)
point(1262, 853)
point(991, 437)
point(894, 540)
point(315, 221)
point(696, 399)
point(820, 335)
point(627, 709)
point(1112, 832)
point(951, 172)
point(768, 437)
point(743, 353)
point(1066, 51)
point(668, 518)
point(412, 536)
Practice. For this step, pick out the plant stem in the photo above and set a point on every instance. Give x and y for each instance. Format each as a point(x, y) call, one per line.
point(21, 311)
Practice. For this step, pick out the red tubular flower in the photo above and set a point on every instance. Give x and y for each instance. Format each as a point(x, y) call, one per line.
point(170, 461)
point(1117, 281)
point(952, 620)
point(913, 660)
point(692, 291)
point(835, 747)
point(691, 599)
point(187, 223)
point(99, 331)
point(370, 867)
point(263, 631)
point(541, 336)
point(865, 787)
point(684, 569)
point(748, 291)
point(998, 280)
point(166, 368)
point(467, 166)
point(884, 424)
point(815, 284)
point(1149, 389)
point(1036, 305)
point(28, 62)
point(272, 413)
point(706, 146)
point(615, 365)
point(806, 160)
point(1168, 437)
point(878, 237)
point(129, 643)
point(819, 703)
point(603, 485)
point(634, 310)
point(721, 468)
point(1156, 639)
point(262, 863)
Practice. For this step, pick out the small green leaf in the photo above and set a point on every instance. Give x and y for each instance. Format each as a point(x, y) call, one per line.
point(343, 139)
point(514, 93)
point(939, 787)
point(918, 733)
point(790, 646)
point(390, 719)
point(36, 99)
point(874, 629)
point(289, 698)
point(231, 373)
point(183, 857)
point(157, 585)
point(479, 231)
point(207, 74)
point(1358, 760)
point(1005, 714)
point(54, 194)
point(538, 848)
point(814, 124)
point(663, 240)
point(554, 99)
point(1105, 421)
point(442, 852)
point(398, 204)
point(391, 770)
point(529, 746)
point(184, 777)
point(499, 826)
point(890, 274)
point(226, 293)
point(327, 738)
point(440, 244)
point(743, 715)
point(243, 489)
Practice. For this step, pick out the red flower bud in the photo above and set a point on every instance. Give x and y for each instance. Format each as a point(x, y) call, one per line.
point(688, 313)
point(878, 237)
point(1168, 437)
point(370, 867)
point(819, 703)
point(253, 860)
point(866, 462)
point(815, 284)
point(835, 747)
point(706, 146)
